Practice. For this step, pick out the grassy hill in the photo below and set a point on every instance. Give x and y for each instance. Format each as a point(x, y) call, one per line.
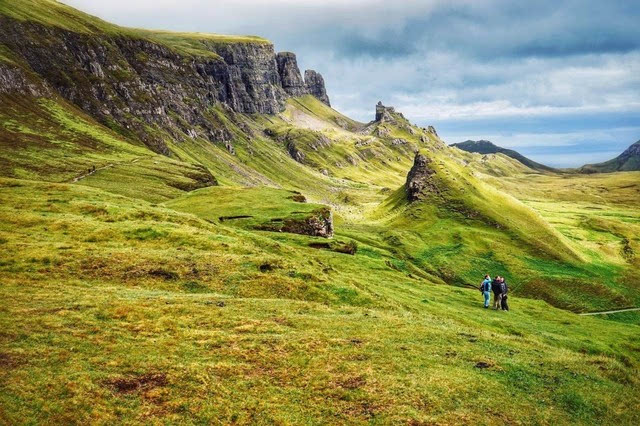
point(629, 160)
point(181, 288)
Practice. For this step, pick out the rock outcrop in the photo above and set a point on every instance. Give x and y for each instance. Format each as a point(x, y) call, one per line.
point(315, 86)
point(420, 178)
point(290, 77)
point(384, 113)
point(132, 83)
point(14, 79)
point(318, 224)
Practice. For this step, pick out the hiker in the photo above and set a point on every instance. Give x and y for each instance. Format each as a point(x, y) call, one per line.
point(497, 294)
point(485, 289)
point(504, 289)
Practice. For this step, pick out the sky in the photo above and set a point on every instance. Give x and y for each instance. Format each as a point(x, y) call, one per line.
point(557, 80)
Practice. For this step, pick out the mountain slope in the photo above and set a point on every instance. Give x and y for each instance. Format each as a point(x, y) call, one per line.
point(487, 147)
point(629, 160)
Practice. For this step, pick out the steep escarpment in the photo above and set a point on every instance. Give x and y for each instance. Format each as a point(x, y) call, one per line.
point(136, 83)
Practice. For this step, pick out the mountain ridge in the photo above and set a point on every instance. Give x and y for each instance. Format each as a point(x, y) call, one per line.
point(629, 160)
point(487, 147)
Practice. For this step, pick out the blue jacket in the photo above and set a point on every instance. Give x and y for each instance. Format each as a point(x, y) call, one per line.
point(486, 285)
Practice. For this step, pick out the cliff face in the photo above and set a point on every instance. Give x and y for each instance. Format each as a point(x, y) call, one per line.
point(131, 82)
point(290, 77)
point(315, 86)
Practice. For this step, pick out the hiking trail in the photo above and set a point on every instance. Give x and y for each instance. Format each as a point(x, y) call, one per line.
point(615, 311)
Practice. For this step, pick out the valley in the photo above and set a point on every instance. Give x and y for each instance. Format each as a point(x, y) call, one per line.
point(191, 234)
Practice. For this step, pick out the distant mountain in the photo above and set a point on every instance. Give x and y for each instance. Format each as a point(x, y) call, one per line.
point(628, 161)
point(487, 147)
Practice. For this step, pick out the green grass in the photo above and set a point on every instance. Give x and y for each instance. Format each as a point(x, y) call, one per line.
point(632, 317)
point(138, 293)
point(146, 314)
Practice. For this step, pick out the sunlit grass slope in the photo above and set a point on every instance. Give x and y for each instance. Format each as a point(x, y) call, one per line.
point(121, 311)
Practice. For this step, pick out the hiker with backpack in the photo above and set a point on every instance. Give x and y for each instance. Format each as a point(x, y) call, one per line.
point(497, 294)
point(485, 289)
point(504, 289)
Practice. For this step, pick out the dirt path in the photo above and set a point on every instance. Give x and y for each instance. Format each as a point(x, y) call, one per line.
point(92, 171)
point(615, 311)
point(89, 173)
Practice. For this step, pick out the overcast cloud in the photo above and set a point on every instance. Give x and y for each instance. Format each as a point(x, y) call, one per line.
point(559, 80)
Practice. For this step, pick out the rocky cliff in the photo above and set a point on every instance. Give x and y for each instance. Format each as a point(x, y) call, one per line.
point(131, 83)
point(315, 86)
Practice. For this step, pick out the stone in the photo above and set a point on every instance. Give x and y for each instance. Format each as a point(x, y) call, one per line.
point(384, 113)
point(294, 152)
point(315, 86)
point(319, 224)
point(290, 77)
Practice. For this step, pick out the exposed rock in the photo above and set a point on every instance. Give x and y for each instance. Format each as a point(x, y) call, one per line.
point(230, 148)
point(294, 152)
point(420, 178)
point(270, 132)
point(220, 134)
point(384, 113)
point(432, 130)
point(315, 86)
point(399, 141)
point(321, 142)
point(13, 79)
point(319, 224)
point(290, 77)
